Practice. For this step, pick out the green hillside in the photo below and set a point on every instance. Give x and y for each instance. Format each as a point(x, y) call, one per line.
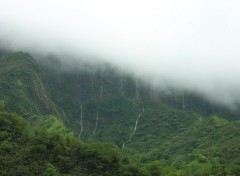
point(21, 86)
point(163, 133)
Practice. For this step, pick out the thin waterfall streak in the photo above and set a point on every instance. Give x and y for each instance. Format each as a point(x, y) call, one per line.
point(121, 87)
point(135, 128)
point(183, 102)
point(101, 92)
point(96, 124)
point(81, 124)
point(137, 90)
point(123, 145)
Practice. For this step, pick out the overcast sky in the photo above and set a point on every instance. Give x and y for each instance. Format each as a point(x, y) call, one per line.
point(188, 44)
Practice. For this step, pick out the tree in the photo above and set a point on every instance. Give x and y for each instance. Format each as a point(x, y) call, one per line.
point(51, 170)
point(2, 105)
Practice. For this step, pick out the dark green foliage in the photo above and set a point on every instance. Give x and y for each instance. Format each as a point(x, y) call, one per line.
point(48, 149)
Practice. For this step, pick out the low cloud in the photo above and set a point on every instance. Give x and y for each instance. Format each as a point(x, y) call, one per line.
point(191, 45)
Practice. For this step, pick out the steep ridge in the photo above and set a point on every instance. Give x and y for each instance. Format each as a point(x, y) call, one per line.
point(21, 86)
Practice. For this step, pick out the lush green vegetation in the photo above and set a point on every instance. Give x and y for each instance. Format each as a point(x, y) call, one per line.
point(21, 86)
point(48, 149)
point(172, 137)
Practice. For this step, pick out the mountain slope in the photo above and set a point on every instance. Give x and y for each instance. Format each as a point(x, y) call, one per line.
point(22, 89)
point(177, 129)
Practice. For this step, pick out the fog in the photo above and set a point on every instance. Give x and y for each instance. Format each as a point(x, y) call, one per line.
point(191, 45)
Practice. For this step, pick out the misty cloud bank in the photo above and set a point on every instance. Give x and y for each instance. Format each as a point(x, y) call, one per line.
point(190, 44)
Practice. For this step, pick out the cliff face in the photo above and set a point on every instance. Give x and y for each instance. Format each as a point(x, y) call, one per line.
point(21, 86)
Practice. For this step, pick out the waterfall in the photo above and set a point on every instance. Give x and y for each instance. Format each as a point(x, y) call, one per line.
point(137, 90)
point(121, 86)
point(155, 95)
point(96, 124)
point(123, 145)
point(191, 104)
point(135, 128)
point(81, 124)
point(176, 103)
point(183, 102)
point(101, 92)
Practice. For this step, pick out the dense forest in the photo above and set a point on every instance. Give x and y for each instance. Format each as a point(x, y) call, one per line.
point(92, 120)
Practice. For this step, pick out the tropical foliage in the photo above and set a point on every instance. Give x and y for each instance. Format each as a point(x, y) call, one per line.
point(129, 128)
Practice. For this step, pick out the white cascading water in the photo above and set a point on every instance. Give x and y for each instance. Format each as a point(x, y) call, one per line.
point(81, 124)
point(101, 92)
point(183, 102)
point(96, 124)
point(135, 128)
point(121, 86)
point(137, 90)
point(123, 145)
